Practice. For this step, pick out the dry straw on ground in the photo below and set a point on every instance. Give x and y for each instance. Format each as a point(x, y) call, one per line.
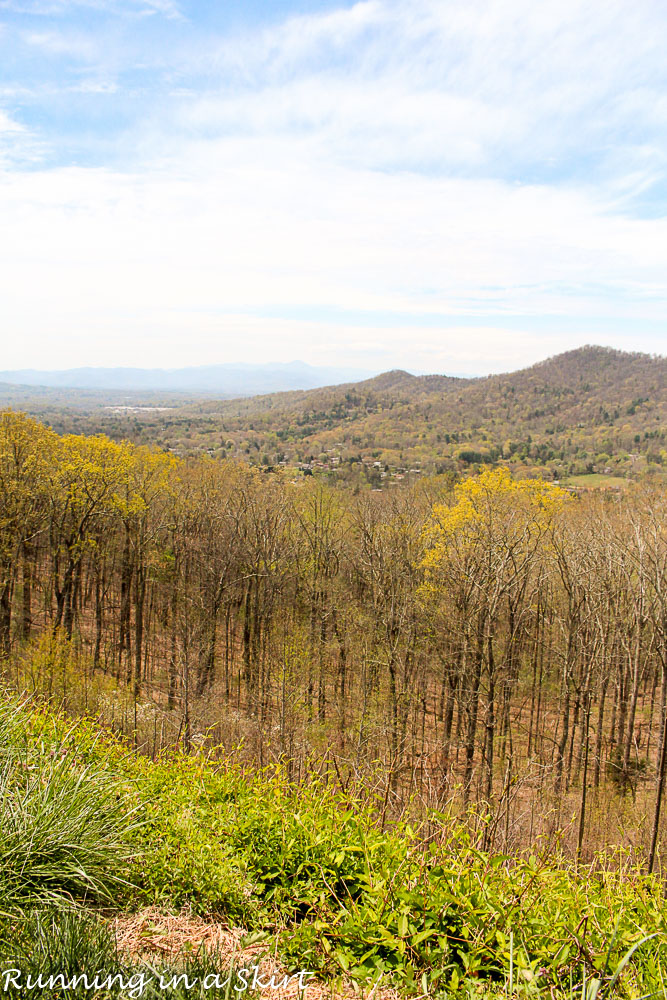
point(151, 935)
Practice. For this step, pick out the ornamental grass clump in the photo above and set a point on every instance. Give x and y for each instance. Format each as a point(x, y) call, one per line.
point(65, 824)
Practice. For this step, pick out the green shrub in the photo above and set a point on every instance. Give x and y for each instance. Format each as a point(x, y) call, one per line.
point(250, 845)
point(346, 896)
point(65, 825)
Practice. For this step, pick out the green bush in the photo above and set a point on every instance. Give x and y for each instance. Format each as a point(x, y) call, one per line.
point(345, 896)
point(66, 826)
point(462, 915)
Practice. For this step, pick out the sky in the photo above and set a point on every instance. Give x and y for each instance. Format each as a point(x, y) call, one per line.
point(423, 184)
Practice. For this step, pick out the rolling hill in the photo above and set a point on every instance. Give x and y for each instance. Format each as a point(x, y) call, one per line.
point(589, 411)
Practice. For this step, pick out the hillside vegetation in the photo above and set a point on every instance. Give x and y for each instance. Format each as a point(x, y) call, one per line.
point(586, 411)
point(495, 643)
point(89, 831)
point(593, 410)
point(411, 737)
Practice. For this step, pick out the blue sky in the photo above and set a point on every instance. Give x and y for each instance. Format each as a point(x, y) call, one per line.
point(428, 184)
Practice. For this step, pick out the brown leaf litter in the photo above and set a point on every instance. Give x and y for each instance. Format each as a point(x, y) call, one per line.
point(152, 934)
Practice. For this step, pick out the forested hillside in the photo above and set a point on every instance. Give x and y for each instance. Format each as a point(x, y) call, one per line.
point(413, 738)
point(587, 411)
point(498, 643)
point(593, 410)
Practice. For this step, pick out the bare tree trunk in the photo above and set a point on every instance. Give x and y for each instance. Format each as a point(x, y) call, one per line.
point(6, 618)
point(662, 768)
point(26, 603)
point(584, 780)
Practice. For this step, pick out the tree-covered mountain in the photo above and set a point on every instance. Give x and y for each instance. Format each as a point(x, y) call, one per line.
point(592, 410)
point(589, 410)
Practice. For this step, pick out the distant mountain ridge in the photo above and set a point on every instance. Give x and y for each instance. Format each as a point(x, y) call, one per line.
point(224, 380)
point(590, 410)
point(593, 409)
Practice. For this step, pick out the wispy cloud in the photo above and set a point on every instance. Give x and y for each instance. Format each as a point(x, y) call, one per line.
point(18, 146)
point(492, 164)
point(8, 125)
point(60, 8)
point(71, 45)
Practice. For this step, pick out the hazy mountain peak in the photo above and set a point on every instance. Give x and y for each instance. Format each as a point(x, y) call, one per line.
point(226, 379)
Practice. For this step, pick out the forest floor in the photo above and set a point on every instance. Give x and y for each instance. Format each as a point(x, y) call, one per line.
point(151, 935)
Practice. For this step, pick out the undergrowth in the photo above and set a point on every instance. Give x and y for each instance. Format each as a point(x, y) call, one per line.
point(85, 823)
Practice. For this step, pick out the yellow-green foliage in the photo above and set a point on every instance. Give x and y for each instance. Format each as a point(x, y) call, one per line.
point(56, 669)
point(493, 507)
point(424, 908)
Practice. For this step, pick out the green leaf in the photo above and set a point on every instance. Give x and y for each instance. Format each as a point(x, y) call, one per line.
point(626, 958)
point(422, 936)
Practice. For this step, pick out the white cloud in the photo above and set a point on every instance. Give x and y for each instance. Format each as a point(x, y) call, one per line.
point(313, 38)
point(175, 261)
point(58, 43)
point(17, 144)
point(59, 8)
point(478, 161)
point(501, 88)
point(7, 124)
